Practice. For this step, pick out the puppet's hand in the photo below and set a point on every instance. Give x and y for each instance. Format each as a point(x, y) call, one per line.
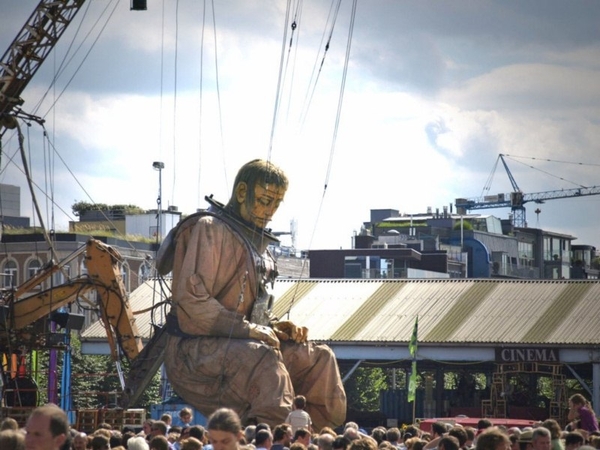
point(264, 334)
point(287, 330)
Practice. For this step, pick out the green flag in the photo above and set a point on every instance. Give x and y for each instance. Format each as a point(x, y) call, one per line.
point(412, 383)
point(412, 348)
point(412, 345)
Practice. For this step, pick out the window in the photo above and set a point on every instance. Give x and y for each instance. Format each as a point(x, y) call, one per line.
point(10, 273)
point(62, 276)
point(33, 267)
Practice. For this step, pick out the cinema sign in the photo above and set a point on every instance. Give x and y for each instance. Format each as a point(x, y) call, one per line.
point(525, 354)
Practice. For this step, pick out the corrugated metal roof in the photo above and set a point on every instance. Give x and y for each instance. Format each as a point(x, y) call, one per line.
point(450, 311)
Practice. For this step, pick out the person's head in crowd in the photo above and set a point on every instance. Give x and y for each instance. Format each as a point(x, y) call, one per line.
point(378, 433)
point(413, 431)
point(263, 439)
point(363, 443)
point(282, 434)
point(147, 426)
point(540, 439)
point(167, 418)
point(328, 430)
point(190, 444)
point(102, 431)
point(525, 439)
point(47, 428)
point(351, 425)
point(411, 443)
point(198, 432)
point(351, 433)
point(302, 435)
point(185, 415)
point(573, 440)
point(12, 439)
point(554, 428)
point(325, 441)
point(159, 428)
point(224, 429)
point(80, 441)
point(438, 429)
point(100, 442)
point(8, 423)
point(392, 435)
point(137, 443)
point(262, 426)
point(249, 433)
point(115, 439)
point(448, 443)
point(386, 445)
point(482, 424)
point(459, 433)
point(493, 439)
point(470, 435)
point(340, 443)
point(298, 446)
point(159, 442)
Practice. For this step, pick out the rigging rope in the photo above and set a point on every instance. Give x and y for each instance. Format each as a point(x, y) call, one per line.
point(341, 96)
point(279, 80)
point(334, 138)
point(220, 113)
point(200, 105)
point(32, 191)
point(311, 88)
point(547, 173)
point(175, 68)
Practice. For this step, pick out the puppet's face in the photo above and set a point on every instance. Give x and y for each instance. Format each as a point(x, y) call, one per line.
point(261, 209)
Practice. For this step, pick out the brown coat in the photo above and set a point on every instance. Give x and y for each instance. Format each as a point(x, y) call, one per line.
point(222, 366)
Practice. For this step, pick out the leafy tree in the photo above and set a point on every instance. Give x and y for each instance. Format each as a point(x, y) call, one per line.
point(466, 225)
point(364, 386)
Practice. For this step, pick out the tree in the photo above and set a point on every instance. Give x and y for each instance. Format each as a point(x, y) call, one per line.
point(363, 388)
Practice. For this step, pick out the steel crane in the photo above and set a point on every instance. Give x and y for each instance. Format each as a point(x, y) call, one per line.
point(30, 48)
point(516, 199)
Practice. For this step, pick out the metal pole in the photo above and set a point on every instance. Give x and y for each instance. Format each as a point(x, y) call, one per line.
point(159, 165)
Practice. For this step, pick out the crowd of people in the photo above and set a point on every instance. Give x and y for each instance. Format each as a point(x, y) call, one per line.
point(48, 428)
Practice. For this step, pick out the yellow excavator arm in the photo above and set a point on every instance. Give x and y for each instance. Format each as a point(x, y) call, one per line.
point(104, 276)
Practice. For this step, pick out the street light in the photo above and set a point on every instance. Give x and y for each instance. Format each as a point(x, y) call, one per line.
point(159, 165)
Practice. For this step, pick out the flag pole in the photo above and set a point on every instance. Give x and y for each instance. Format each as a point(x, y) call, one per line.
point(412, 383)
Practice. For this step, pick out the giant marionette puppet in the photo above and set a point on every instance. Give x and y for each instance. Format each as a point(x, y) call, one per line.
point(224, 348)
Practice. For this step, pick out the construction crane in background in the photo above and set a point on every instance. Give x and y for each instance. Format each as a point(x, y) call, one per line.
point(516, 199)
point(30, 48)
point(28, 51)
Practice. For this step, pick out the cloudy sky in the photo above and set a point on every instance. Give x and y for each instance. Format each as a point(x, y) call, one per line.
point(416, 116)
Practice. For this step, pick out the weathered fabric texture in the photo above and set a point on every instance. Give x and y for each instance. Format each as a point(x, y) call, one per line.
point(217, 277)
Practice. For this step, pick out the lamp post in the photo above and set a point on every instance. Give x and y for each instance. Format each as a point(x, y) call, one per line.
point(159, 165)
